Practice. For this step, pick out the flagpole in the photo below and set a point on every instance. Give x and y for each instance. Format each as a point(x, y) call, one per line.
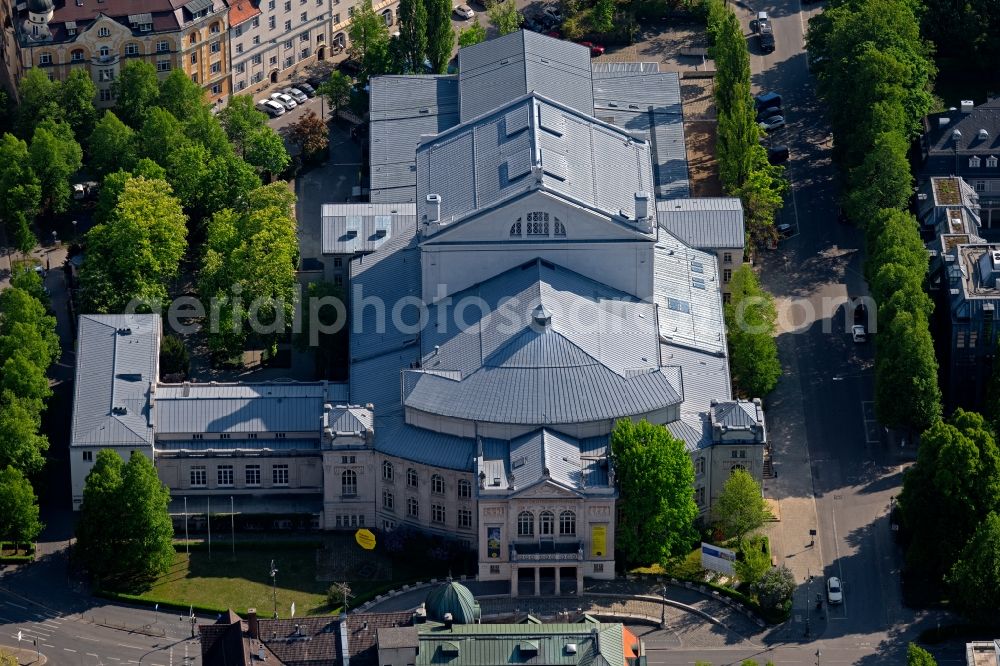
point(232, 523)
point(208, 513)
point(187, 541)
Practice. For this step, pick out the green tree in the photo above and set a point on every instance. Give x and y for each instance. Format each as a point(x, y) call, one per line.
point(311, 135)
point(320, 315)
point(882, 180)
point(161, 135)
point(140, 247)
point(18, 508)
point(112, 146)
point(440, 34)
point(131, 550)
point(21, 445)
point(740, 508)
point(337, 89)
point(39, 100)
point(907, 394)
point(148, 169)
point(265, 150)
point(55, 156)
point(752, 565)
point(26, 325)
point(229, 180)
point(136, 91)
point(472, 35)
point(774, 590)
point(369, 38)
point(504, 15)
point(917, 656)
point(750, 326)
point(655, 476)
point(77, 101)
point(412, 35)
point(20, 192)
point(241, 119)
point(602, 20)
point(975, 578)
point(204, 128)
point(949, 491)
point(174, 357)
point(181, 96)
point(23, 377)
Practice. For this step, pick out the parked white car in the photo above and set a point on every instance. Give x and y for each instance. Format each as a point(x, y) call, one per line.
point(464, 11)
point(295, 94)
point(271, 108)
point(834, 592)
point(284, 100)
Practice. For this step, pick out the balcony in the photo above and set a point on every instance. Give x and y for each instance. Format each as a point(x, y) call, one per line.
point(546, 551)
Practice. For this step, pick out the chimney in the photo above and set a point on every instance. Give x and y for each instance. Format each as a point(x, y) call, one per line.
point(252, 624)
point(448, 621)
point(943, 121)
point(967, 105)
point(433, 208)
point(641, 205)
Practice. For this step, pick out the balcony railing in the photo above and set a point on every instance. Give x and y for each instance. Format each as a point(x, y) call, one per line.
point(546, 551)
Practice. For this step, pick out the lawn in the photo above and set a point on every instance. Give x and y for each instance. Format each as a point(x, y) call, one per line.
point(223, 581)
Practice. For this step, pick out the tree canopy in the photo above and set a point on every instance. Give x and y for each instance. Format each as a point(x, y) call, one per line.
point(20, 192)
point(750, 327)
point(136, 91)
point(975, 578)
point(55, 156)
point(310, 134)
point(440, 35)
point(917, 656)
point(655, 476)
point(472, 35)
point(18, 508)
point(369, 39)
point(125, 533)
point(504, 16)
point(740, 507)
point(112, 146)
point(412, 36)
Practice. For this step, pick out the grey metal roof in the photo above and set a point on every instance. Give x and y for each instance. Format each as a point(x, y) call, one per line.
point(604, 70)
point(545, 454)
point(528, 144)
point(273, 444)
point(704, 376)
point(196, 6)
point(117, 364)
point(704, 222)
point(686, 287)
point(347, 419)
point(140, 19)
point(497, 71)
point(402, 109)
point(735, 414)
point(239, 408)
point(350, 228)
point(597, 358)
point(648, 105)
point(694, 429)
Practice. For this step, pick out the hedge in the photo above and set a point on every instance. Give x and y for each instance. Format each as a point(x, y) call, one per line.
point(289, 544)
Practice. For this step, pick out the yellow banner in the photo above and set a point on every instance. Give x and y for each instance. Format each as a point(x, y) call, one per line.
point(365, 539)
point(598, 540)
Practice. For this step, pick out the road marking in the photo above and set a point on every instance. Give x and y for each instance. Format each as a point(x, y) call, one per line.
point(96, 640)
point(47, 645)
point(840, 568)
point(69, 649)
point(39, 631)
point(91, 654)
point(114, 658)
point(134, 647)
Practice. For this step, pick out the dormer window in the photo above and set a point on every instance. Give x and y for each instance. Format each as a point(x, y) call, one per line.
point(104, 32)
point(991, 162)
point(974, 162)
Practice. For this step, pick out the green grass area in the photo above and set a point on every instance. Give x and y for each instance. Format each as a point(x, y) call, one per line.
point(244, 581)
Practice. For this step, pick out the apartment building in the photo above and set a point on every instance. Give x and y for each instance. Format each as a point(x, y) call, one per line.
point(10, 54)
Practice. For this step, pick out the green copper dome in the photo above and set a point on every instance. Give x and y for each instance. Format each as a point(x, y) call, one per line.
point(453, 598)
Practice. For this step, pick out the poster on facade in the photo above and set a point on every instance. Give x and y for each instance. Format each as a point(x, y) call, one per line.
point(598, 540)
point(493, 543)
point(715, 558)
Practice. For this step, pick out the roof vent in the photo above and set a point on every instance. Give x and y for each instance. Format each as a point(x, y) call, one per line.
point(967, 105)
point(983, 135)
point(570, 648)
point(433, 208)
point(380, 233)
point(956, 134)
point(943, 121)
point(541, 317)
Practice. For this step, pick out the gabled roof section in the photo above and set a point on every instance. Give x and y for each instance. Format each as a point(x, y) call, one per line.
point(117, 364)
point(360, 228)
point(533, 143)
point(705, 223)
point(239, 408)
point(686, 289)
point(403, 109)
point(497, 71)
point(740, 414)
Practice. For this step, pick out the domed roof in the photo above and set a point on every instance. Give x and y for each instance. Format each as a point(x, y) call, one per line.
point(40, 6)
point(454, 598)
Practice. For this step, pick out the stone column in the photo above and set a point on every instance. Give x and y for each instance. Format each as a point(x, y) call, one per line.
point(579, 579)
point(513, 580)
point(558, 587)
point(538, 581)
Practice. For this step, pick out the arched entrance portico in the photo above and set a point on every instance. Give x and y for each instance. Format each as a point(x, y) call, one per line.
point(387, 15)
point(274, 76)
point(321, 52)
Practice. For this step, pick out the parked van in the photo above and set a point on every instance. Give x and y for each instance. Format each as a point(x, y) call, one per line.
point(766, 100)
point(777, 154)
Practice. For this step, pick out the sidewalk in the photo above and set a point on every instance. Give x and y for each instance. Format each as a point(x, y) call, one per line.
point(24, 656)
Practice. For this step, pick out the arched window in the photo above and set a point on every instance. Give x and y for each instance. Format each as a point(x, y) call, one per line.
point(525, 524)
point(464, 489)
point(559, 229)
point(349, 483)
point(77, 55)
point(412, 508)
point(411, 478)
point(567, 523)
point(699, 465)
point(515, 229)
point(538, 224)
point(546, 523)
point(437, 484)
point(105, 51)
point(387, 470)
point(194, 37)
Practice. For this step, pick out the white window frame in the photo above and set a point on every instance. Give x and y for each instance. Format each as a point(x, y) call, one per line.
point(198, 476)
point(224, 476)
point(279, 475)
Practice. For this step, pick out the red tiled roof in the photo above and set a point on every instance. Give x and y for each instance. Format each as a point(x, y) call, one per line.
point(242, 10)
point(361, 628)
point(69, 11)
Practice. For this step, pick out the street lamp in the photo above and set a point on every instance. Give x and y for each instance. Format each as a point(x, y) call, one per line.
point(274, 588)
point(809, 581)
point(75, 238)
point(663, 608)
point(55, 240)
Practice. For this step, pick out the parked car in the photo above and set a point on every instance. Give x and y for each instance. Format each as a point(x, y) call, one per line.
point(595, 49)
point(307, 89)
point(767, 100)
point(350, 67)
point(766, 36)
point(284, 100)
point(772, 123)
point(85, 190)
point(271, 108)
point(768, 112)
point(464, 12)
point(295, 94)
point(784, 230)
point(834, 592)
point(777, 154)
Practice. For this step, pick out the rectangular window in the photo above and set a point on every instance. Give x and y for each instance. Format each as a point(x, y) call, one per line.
point(224, 476)
point(215, 47)
point(256, 40)
point(727, 257)
point(980, 186)
point(288, 42)
point(256, 59)
point(256, 22)
point(303, 54)
point(288, 5)
point(239, 49)
point(699, 496)
point(241, 85)
point(273, 60)
point(727, 275)
point(224, 435)
point(216, 89)
point(336, 19)
point(105, 75)
point(194, 58)
point(105, 95)
point(494, 569)
point(289, 61)
point(256, 78)
point(272, 22)
point(598, 567)
point(216, 67)
point(304, 37)
point(350, 12)
point(77, 56)
point(437, 513)
point(347, 460)
point(131, 49)
point(270, 5)
point(253, 475)
point(464, 519)
point(388, 502)
point(45, 59)
point(88, 456)
point(279, 475)
point(162, 47)
point(199, 477)
point(238, 31)
point(338, 262)
point(304, 16)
